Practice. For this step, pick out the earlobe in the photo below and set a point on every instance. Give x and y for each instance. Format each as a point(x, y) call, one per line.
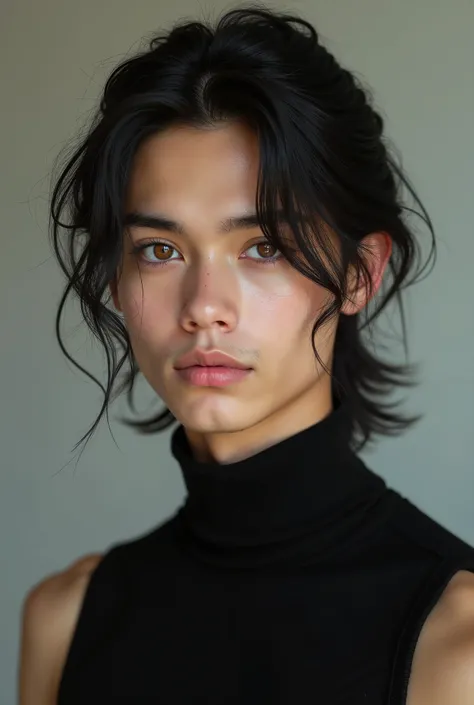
point(376, 250)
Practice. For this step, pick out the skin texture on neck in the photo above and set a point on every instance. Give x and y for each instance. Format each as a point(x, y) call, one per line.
point(194, 285)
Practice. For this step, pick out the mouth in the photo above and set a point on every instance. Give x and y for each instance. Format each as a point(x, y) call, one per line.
point(212, 376)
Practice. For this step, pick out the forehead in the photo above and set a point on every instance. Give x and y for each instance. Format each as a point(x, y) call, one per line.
point(191, 166)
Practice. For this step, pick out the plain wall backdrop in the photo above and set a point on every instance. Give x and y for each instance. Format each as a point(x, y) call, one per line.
point(418, 57)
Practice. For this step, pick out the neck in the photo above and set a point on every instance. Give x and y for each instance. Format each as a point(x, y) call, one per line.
point(292, 501)
point(229, 447)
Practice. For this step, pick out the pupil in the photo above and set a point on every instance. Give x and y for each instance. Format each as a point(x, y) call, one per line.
point(165, 250)
point(267, 249)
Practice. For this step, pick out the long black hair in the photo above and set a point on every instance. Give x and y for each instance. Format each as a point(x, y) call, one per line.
point(324, 162)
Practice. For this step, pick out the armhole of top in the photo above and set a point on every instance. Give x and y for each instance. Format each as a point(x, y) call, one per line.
point(425, 602)
point(80, 626)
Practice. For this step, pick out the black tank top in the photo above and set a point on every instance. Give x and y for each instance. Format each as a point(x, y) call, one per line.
point(293, 577)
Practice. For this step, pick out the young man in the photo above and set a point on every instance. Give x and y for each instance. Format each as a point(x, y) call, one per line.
point(240, 207)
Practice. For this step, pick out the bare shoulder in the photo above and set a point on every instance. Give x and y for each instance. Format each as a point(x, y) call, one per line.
point(443, 663)
point(49, 616)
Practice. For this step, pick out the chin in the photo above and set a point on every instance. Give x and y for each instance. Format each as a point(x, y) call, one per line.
point(213, 415)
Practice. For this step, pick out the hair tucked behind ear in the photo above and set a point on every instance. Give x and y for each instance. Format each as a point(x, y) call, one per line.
point(322, 156)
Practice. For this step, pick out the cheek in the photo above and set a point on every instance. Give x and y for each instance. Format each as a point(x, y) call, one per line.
point(277, 316)
point(148, 316)
point(286, 320)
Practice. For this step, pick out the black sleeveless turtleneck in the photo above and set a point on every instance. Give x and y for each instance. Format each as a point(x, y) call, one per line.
point(294, 576)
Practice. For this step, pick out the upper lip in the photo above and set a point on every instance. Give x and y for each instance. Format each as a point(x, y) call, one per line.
point(208, 359)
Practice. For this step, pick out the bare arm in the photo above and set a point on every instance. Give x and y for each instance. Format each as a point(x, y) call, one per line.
point(443, 664)
point(50, 613)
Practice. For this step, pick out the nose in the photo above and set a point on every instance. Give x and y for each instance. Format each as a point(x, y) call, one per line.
point(210, 298)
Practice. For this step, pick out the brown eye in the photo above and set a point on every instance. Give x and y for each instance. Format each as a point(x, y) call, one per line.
point(155, 253)
point(161, 250)
point(265, 250)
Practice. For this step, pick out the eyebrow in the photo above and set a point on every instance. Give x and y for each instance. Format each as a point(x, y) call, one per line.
point(156, 221)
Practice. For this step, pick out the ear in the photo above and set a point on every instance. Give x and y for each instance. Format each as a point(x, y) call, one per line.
point(376, 251)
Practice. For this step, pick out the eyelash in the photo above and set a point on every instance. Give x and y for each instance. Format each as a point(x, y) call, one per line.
point(138, 249)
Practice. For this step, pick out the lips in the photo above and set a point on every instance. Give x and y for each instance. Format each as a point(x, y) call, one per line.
point(216, 376)
point(199, 358)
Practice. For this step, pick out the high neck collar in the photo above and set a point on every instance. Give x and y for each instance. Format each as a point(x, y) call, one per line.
point(290, 499)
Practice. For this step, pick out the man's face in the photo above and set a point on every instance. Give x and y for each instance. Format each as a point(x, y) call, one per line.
point(215, 291)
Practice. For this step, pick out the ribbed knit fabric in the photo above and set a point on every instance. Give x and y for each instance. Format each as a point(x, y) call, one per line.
point(293, 577)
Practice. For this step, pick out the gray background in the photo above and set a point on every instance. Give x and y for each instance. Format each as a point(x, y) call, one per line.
point(418, 56)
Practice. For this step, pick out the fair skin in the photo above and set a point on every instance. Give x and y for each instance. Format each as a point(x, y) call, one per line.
point(221, 295)
point(215, 293)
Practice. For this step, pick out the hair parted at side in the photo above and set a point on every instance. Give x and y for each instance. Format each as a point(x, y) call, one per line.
point(322, 154)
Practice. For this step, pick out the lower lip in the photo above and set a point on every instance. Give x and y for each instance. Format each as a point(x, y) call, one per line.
point(212, 376)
